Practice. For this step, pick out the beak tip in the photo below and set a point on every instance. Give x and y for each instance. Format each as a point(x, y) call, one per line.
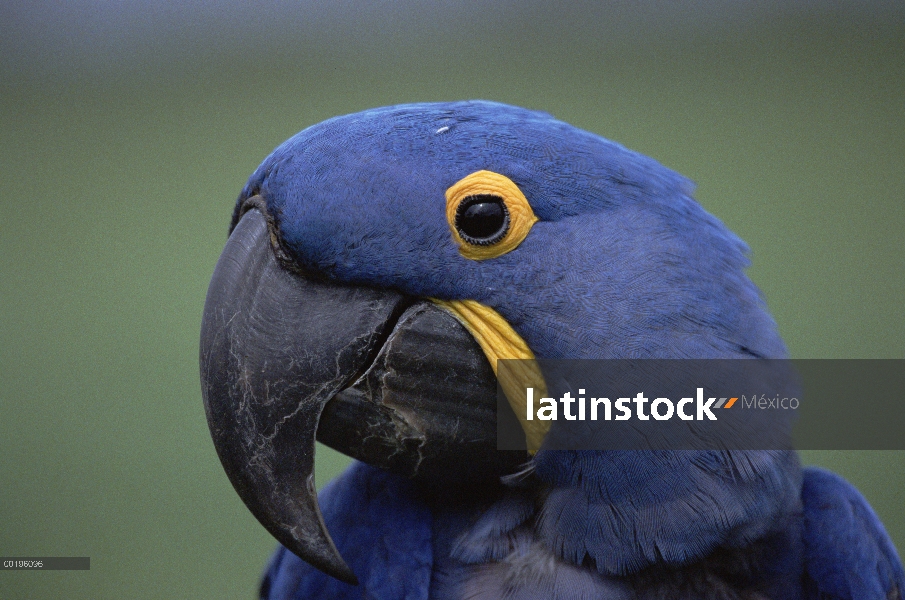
point(330, 563)
point(346, 576)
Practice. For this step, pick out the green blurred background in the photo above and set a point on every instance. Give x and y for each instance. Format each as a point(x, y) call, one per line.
point(127, 129)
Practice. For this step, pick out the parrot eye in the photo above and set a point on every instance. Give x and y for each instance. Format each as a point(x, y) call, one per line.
point(482, 219)
point(488, 215)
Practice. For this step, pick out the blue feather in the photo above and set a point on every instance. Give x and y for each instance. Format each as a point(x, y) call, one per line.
point(849, 555)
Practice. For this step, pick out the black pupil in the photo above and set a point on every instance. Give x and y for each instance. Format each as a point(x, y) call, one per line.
point(482, 218)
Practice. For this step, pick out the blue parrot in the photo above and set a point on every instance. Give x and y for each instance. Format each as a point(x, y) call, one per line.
point(380, 263)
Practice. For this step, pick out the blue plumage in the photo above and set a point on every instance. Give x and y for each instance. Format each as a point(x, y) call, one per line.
point(360, 199)
point(848, 554)
point(622, 264)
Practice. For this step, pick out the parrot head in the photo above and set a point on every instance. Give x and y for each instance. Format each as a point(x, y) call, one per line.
point(380, 263)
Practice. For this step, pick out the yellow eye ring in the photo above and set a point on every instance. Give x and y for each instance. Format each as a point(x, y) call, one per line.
point(488, 215)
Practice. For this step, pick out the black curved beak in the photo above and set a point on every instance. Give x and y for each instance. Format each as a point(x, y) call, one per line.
point(390, 380)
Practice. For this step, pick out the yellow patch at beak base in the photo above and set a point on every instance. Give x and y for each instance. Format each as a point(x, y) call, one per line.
point(499, 341)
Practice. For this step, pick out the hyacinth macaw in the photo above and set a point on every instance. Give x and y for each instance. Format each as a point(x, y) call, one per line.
point(368, 258)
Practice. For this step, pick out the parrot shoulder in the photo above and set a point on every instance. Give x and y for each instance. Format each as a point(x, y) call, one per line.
point(848, 554)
